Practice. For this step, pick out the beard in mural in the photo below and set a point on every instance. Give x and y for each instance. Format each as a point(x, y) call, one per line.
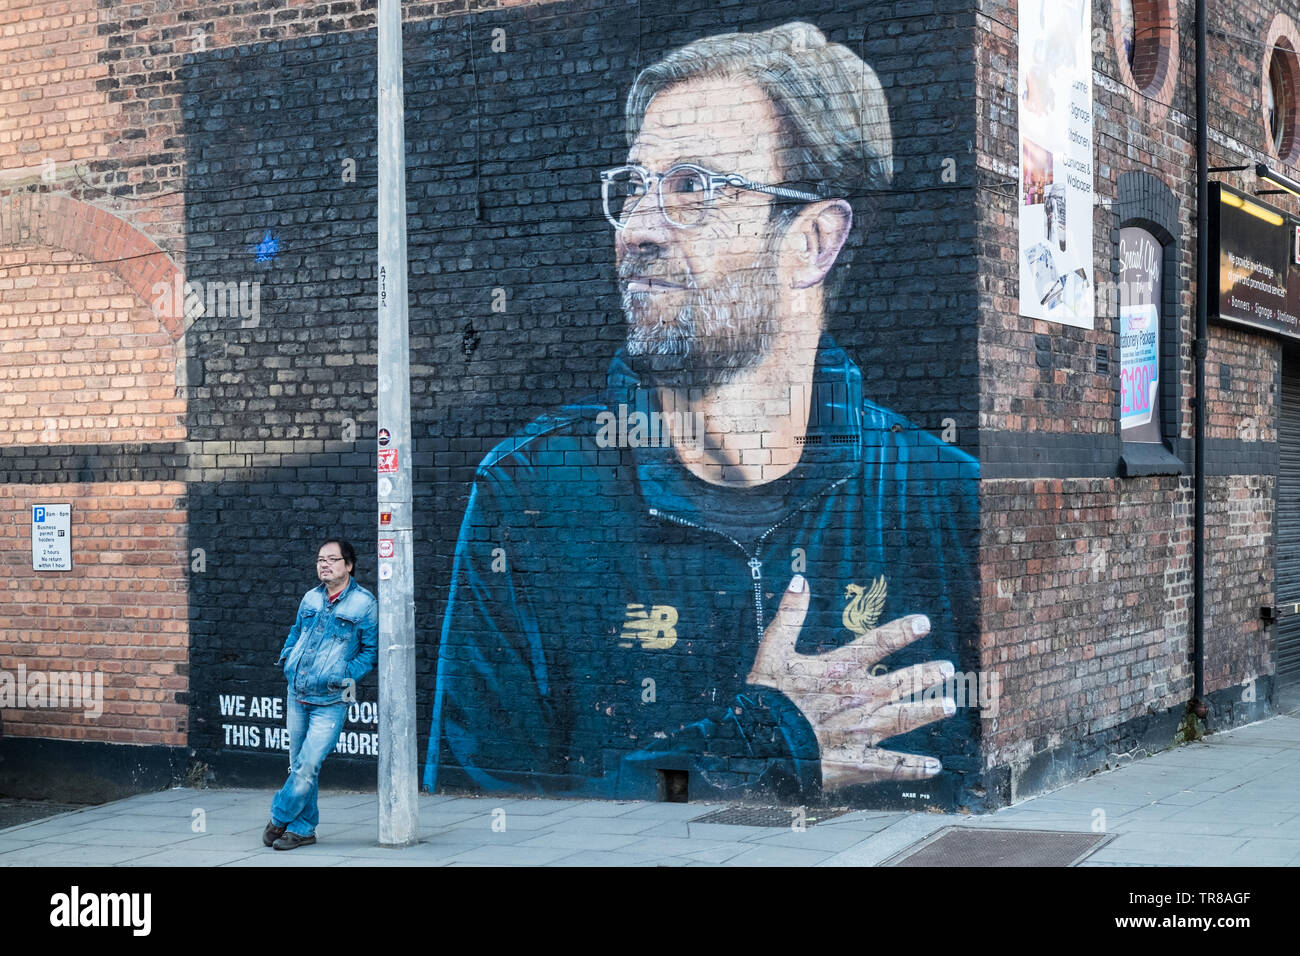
point(773, 602)
point(711, 336)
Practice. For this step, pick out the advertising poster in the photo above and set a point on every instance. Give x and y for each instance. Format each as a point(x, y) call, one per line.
point(1139, 323)
point(1055, 206)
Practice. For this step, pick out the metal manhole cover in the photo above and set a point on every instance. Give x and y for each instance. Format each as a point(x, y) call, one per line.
point(969, 846)
point(769, 816)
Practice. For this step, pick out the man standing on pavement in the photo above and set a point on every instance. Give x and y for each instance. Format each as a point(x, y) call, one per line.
point(332, 645)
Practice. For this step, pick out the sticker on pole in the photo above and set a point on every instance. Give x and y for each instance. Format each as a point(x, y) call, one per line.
point(385, 547)
point(384, 437)
point(387, 461)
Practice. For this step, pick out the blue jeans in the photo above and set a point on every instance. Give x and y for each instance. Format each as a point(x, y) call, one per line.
point(313, 731)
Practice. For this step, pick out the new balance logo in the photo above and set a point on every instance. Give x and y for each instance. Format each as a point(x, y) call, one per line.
point(655, 628)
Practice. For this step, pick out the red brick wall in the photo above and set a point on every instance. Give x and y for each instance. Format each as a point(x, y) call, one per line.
point(1240, 508)
point(1082, 645)
point(91, 220)
point(1238, 578)
point(1247, 410)
point(50, 97)
point(1086, 593)
point(86, 362)
point(121, 610)
point(82, 359)
point(96, 89)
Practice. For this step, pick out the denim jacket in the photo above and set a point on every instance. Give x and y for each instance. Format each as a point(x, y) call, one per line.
point(330, 643)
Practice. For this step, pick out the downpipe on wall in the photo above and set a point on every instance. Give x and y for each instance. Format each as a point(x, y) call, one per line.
point(1196, 706)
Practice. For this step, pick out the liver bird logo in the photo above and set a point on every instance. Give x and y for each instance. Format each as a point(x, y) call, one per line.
point(864, 607)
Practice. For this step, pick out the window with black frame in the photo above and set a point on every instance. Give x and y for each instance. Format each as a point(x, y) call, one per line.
point(1148, 398)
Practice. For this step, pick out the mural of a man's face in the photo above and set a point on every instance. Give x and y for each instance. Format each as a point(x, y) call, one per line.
point(703, 303)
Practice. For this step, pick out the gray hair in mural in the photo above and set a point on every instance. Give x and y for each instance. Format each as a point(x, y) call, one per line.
point(835, 120)
point(835, 134)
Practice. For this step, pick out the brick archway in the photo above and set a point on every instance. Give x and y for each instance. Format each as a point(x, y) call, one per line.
point(62, 222)
point(91, 417)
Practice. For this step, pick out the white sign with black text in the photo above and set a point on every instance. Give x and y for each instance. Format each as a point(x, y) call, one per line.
point(52, 537)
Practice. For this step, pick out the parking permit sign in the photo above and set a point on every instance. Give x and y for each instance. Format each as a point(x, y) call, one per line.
point(52, 537)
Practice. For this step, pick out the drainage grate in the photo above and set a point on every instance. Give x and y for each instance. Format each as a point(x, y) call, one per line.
point(968, 846)
point(769, 816)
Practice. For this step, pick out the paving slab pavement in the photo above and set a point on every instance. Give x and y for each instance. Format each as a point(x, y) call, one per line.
point(1232, 799)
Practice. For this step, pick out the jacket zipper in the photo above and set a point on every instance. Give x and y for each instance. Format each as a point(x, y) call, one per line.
point(755, 563)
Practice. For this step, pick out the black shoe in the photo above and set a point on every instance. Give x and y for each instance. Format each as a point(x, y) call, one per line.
point(271, 833)
point(291, 841)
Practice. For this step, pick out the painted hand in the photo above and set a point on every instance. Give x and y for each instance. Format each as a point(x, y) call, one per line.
point(850, 710)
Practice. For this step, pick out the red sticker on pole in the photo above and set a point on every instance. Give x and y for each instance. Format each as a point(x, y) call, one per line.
point(387, 461)
point(385, 547)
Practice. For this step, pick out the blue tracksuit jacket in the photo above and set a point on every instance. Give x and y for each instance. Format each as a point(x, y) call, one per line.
point(598, 629)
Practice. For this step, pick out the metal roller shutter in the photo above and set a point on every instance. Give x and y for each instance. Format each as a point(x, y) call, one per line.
point(1287, 554)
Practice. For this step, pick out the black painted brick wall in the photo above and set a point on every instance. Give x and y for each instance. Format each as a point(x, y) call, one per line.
point(502, 150)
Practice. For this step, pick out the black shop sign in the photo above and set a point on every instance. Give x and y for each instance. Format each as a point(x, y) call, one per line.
point(1257, 265)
